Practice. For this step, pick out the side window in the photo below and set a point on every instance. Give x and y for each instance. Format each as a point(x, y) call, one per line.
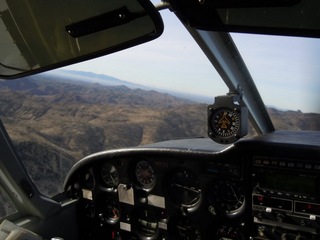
point(6, 205)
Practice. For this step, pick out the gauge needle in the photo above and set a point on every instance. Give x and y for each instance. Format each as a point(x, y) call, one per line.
point(186, 188)
point(234, 193)
point(112, 179)
point(115, 212)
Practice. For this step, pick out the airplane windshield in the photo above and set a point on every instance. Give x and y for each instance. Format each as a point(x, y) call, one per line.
point(153, 92)
point(277, 63)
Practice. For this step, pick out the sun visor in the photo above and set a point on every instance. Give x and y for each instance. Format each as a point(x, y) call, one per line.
point(42, 35)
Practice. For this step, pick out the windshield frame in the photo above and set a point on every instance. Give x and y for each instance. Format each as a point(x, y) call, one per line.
point(225, 57)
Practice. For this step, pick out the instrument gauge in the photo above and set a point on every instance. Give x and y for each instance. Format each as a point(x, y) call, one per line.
point(112, 213)
point(184, 188)
point(107, 209)
point(87, 179)
point(146, 223)
point(224, 122)
point(110, 175)
point(227, 119)
point(144, 174)
point(227, 197)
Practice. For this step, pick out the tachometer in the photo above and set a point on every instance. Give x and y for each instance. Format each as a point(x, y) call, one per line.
point(144, 174)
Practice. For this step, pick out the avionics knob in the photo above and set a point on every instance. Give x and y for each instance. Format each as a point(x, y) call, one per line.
point(258, 190)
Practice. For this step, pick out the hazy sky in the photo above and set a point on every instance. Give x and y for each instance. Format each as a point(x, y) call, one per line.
point(286, 70)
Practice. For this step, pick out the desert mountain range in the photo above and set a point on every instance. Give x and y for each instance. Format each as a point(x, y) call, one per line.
point(55, 122)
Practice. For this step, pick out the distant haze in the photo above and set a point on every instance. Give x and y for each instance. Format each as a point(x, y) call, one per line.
point(112, 81)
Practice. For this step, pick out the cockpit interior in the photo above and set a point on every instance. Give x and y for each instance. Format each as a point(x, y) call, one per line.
point(245, 177)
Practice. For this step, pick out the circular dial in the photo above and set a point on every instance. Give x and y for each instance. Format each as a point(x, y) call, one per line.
point(184, 187)
point(111, 211)
point(110, 175)
point(227, 198)
point(224, 122)
point(145, 174)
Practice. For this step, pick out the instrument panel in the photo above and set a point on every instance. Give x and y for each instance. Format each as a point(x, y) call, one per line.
point(174, 191)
